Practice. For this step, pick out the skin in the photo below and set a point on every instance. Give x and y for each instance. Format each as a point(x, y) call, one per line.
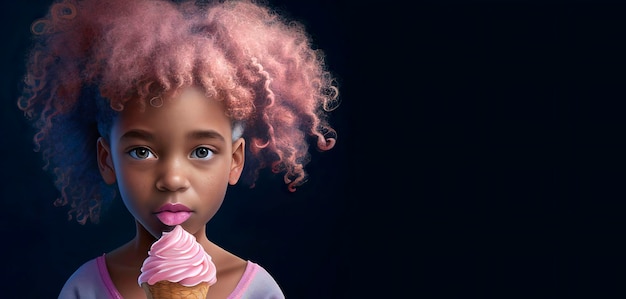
point(155, 159)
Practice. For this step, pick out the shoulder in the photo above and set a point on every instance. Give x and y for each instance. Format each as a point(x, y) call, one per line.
point(257, 282)
point(86, 282)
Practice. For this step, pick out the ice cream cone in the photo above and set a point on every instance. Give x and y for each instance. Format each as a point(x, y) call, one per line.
point(175, 261)
point(172, 290)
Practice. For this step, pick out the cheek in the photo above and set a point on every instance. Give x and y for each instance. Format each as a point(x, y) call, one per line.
point(208, 188)
point(211, 190)
point(134, 188)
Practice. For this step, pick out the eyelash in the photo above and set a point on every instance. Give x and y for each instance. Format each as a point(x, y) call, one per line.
point(134, 155)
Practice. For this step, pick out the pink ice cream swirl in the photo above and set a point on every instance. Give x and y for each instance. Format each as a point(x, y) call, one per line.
point(178, 257)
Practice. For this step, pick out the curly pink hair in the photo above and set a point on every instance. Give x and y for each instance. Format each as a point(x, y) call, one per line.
point(90, 52)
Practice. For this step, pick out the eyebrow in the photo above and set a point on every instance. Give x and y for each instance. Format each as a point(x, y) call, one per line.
point(138, 134)
point(200, 134)
point(208, 134)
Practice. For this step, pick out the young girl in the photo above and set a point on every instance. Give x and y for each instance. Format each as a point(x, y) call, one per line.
point(166, 104)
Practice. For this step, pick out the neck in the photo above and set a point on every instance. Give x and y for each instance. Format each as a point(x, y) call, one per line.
point(202, 238)
point(130, 256)
point(143, 239)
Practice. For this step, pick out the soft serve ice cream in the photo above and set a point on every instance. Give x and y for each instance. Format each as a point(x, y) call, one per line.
point(178, 261)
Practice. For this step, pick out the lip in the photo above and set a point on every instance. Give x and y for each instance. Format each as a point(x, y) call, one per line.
point(173, 207)
point(173, 214)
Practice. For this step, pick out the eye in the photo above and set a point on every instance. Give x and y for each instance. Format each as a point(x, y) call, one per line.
point(202, 153)
point(141, 153)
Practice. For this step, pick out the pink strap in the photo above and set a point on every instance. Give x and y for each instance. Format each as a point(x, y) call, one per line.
point(245, 281)
point(106, 279)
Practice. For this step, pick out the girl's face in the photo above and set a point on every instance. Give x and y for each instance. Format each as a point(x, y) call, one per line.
point(172, 163)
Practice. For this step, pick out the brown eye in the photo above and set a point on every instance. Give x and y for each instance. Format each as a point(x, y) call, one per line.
point(201, 153)
point(141, 153)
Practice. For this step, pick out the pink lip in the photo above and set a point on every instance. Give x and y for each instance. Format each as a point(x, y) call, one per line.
point(173, 214)
point(170, 207)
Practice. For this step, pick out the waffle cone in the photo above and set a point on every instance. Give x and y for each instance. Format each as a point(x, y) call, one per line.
point(172, 290)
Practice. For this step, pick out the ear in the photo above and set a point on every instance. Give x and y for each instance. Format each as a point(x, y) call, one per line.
point(236, 165)
point(105, 162)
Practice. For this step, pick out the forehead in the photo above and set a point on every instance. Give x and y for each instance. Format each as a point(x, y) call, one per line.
point(189, 110)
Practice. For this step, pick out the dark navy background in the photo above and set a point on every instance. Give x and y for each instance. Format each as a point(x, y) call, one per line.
point(481, 154)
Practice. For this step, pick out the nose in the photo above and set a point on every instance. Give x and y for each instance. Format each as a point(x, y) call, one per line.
point(172, 176)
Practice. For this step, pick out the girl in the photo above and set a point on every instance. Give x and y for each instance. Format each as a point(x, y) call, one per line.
point(168, 103)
